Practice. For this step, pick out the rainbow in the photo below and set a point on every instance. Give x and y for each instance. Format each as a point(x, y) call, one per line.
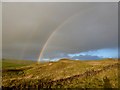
point(29, 37)
point(50, 37)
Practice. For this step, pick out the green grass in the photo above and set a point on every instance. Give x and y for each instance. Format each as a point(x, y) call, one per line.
point(49, 74)
point(8, 63)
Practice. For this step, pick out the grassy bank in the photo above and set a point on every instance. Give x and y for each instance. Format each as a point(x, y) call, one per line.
point(63, 74)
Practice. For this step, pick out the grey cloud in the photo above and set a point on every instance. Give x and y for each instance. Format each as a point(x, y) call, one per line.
point(27, 26)
point(91, 29)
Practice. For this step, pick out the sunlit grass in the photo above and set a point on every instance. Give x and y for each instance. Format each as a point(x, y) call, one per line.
point(36, 74)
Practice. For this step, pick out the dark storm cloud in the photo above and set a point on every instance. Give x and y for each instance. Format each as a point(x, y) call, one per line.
point(91, 29)
point(27, 26)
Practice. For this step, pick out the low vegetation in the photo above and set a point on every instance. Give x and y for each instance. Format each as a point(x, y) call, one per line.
point(61, 74)
point(9, 63)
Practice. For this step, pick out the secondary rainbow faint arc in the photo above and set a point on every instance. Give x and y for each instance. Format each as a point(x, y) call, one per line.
point(25, 46)
point(48, 40)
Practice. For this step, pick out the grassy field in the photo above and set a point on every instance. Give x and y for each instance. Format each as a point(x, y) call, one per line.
point(61, 74)
point(9, 63)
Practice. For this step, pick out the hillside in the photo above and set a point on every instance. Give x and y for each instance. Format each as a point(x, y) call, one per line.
point(10, 63)
point(63, 74)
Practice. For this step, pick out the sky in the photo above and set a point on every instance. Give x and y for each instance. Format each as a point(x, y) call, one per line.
point(50, 31)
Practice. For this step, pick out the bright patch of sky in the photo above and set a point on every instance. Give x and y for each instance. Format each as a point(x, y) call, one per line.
point(102, 53)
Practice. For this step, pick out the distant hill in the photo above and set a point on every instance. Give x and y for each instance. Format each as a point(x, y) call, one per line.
point(12, 63)
point(64, 73)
